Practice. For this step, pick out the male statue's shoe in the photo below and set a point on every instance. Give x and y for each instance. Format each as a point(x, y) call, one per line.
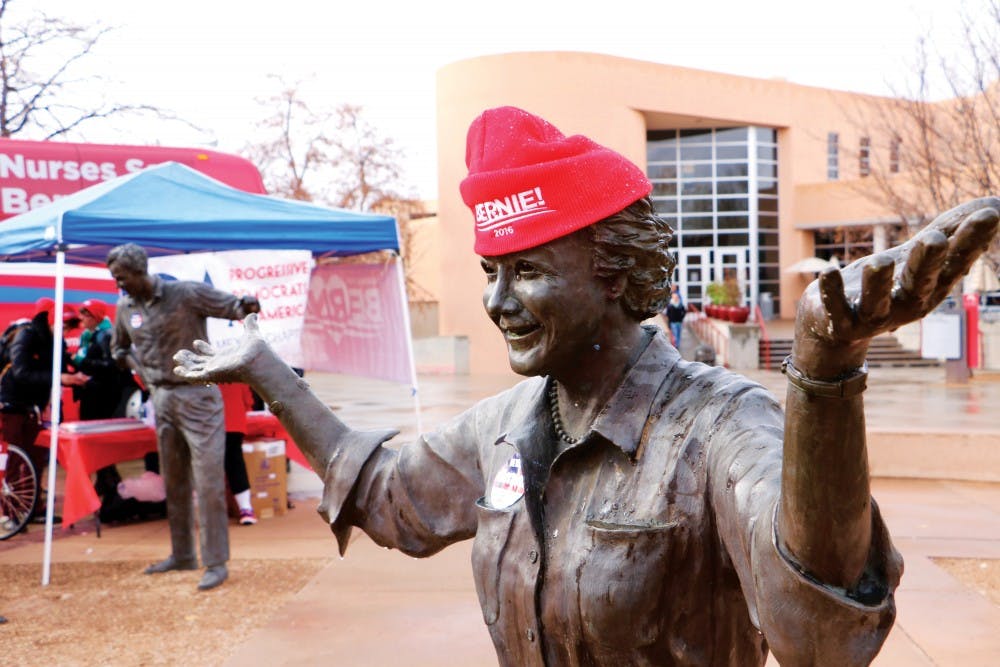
point(171, 563)
point(213, 577)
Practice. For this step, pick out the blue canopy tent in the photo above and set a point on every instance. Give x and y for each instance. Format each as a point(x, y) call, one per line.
point(169, 209)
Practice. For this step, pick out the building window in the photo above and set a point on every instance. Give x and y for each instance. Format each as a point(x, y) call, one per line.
point(850, 243)
point(865, 157)
point(832, 152)
point(894, 145)
point(719, 187)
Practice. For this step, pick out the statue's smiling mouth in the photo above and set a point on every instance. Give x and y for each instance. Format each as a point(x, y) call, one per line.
point(520, 332)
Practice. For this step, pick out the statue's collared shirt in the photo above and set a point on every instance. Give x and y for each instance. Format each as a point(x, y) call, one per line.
point(651, 541)
point(171, 320)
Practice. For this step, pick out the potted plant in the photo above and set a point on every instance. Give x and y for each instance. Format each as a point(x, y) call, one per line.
point(716, 293)
point(733, 296)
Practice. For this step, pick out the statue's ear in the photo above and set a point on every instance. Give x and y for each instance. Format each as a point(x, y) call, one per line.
point(615, 286)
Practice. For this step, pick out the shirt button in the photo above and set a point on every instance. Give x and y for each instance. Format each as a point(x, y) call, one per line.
point(533, 556)
point(530, 634)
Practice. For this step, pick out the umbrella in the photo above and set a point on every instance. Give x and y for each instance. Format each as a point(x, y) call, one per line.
point(811, 265)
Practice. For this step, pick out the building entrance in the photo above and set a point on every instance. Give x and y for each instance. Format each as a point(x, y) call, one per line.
point(698, 267)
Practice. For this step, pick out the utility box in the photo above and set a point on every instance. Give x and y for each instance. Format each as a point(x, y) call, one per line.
point(266, 468)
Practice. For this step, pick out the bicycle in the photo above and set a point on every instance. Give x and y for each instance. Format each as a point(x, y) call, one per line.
point(19, 490)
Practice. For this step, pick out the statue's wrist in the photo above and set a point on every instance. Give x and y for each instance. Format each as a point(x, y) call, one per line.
point(842, 385)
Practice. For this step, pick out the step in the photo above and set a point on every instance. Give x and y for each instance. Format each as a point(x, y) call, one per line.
point(884, 351)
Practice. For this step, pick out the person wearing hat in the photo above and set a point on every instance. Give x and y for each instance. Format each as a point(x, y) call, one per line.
point(630, 507)
point(108, 387)
point(26, 384)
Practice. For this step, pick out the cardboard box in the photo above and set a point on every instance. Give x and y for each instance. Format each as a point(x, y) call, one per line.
point(266, 468)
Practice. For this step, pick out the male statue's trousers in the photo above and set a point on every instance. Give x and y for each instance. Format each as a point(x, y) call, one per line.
point(191, 439)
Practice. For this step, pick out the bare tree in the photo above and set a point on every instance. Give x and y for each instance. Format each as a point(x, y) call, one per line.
point(368, 168)
point(930, 154)
point(407, 213)
point(339, 159)
point(39, 84)
point(294, 151)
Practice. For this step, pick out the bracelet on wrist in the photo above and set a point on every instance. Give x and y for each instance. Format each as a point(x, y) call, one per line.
point(844, 387)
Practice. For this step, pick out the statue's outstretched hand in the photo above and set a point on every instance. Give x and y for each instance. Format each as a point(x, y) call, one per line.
point(841, 311)
point(206, 364)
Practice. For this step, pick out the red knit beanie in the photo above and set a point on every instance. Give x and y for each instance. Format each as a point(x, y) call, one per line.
point(44, 305)
point(529, 184)
point(95, 307)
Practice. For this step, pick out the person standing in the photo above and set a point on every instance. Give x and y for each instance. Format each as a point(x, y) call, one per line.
point(236, 400)
point(106, 392)
point(26, 382)
point(156, 318)
point(675, 318)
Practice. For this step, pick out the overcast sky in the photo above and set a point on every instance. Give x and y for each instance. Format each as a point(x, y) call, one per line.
point(209, 59)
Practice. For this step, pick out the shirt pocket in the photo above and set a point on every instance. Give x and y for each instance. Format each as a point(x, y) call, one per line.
point(492, 536)
point(623, 581)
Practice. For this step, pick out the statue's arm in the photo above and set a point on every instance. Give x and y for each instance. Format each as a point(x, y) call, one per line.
point(317, 431)
point(418, 499)
point(824, 515)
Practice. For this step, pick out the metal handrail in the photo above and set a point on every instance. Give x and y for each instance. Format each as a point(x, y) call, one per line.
point(707, 331)
point(759, 317)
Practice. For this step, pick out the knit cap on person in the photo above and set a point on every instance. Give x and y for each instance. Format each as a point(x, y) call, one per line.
point(95, 307)
point(44, 305)
point(528, 183)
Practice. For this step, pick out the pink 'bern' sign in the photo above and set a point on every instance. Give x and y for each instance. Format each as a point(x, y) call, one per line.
point(355, 322)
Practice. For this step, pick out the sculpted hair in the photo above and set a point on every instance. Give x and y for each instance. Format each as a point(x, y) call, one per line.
point(634, 242)
point(129, 256)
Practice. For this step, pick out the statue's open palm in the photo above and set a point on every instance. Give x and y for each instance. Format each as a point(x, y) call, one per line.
point(206, 364)
point(841, 311)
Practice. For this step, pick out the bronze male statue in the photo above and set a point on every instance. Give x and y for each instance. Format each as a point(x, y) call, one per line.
point(630, 507)
point(154, 318)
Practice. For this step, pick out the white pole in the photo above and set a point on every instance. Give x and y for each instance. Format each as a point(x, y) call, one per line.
point(409, 340)
point(55, 403)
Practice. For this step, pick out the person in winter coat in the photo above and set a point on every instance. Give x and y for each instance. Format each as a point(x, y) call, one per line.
point(26, 382)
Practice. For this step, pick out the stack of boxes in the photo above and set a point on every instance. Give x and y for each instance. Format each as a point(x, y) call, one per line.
point(265, 461)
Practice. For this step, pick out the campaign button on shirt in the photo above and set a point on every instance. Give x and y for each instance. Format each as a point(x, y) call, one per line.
point(135, 320)
point(508, 485)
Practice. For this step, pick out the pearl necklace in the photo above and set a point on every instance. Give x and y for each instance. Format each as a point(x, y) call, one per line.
point(557, 424)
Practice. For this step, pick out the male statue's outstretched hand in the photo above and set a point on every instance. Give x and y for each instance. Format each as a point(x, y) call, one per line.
point(206, 364)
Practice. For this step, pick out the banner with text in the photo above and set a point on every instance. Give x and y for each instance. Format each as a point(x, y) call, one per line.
point(278, 278)
point(356, 323)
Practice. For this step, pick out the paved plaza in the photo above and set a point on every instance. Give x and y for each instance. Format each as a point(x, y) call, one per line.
point(378, 607)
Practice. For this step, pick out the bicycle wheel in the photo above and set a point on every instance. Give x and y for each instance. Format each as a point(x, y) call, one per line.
point(18, 492)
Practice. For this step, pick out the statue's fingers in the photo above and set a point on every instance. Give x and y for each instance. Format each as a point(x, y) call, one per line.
point(831, 291)
point(968, 242)
point(950, 221)
point(250, 322)
point(184, 356)
point(203, 347)
point(876, 289)
point(183, 371)
point(919, 277)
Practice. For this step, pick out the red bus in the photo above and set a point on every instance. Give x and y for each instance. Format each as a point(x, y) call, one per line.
point(34, 173)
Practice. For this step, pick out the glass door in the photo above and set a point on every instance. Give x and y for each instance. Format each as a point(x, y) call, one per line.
point(693, 274)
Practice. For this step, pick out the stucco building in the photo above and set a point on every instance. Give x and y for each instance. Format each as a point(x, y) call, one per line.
point(755, 175)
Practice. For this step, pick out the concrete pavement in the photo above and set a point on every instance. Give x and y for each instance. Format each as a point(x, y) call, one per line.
point(378, 607)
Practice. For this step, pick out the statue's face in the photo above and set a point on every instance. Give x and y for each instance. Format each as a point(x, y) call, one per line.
point(133, 283)
point(547, 303)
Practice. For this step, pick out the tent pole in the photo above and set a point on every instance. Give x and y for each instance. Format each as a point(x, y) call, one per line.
point(55, 403)
point(401, 280)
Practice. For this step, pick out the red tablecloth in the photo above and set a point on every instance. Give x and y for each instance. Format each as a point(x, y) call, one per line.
point(81, 454)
